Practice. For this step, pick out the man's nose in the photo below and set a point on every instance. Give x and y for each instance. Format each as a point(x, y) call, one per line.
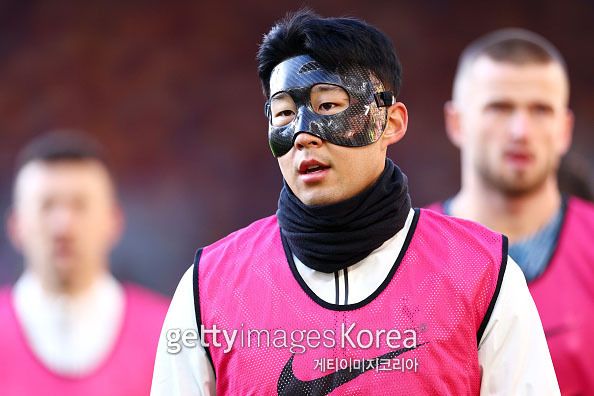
point(307, 140)
point(62, 219)
point(520, 125)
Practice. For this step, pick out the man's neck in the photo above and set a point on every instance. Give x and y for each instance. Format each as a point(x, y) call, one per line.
point(514, 216)
point(70, 288)
point(72, 335)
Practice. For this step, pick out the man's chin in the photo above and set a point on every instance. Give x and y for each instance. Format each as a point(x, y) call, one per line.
point(318, 198)
point(515, 183)
point(65, 267)
point(522, 187)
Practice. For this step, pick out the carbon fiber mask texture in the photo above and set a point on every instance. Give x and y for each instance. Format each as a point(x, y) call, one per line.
point(347, 108)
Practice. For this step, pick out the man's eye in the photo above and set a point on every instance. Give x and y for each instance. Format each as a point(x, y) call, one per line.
point(328, 99)
point(542, 109)
point(283, 117)
point(284, 113)
point(500, 107)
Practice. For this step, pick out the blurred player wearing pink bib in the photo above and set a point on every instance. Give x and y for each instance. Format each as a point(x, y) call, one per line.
point(68, 327)
point(509, 116)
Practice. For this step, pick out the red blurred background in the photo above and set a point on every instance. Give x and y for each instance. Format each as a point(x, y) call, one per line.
point(170, 88)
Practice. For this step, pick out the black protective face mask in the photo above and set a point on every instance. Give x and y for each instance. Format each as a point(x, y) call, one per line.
point(347, 108)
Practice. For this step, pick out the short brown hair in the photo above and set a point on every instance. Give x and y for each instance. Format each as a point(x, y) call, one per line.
point(512, 45)
point(61, 145)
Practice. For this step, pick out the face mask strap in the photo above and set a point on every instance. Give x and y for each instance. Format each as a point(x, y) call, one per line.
point(384, 99)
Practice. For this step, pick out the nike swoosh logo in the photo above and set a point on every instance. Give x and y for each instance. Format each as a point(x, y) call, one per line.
point(289, 385)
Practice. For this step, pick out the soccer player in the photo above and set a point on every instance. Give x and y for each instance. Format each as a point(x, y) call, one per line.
point(347, 289)
point(68, 327)
point(509, 116)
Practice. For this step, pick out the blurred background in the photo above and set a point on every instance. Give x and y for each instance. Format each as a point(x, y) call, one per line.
point(170, 89)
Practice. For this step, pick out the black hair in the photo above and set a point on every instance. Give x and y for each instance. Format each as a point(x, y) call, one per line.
point(61, 145)
point(334, 42)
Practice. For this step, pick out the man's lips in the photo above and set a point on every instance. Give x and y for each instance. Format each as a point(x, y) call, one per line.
point(63, 249)
point(312, 171)
point(518, 158)
point(311, 166)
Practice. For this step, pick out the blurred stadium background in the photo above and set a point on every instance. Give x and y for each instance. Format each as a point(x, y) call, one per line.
point(170, 88)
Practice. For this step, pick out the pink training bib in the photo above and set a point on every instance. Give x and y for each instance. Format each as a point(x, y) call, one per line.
point(564, 297)
point(127, 372)
point(417, 334)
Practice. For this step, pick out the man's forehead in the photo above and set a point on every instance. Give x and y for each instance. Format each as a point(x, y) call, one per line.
point(486, 66)
point(301, 71)
point(62, 175)
point(487, 77)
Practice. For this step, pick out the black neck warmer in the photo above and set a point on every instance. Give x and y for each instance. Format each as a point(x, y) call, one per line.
point(331, 237)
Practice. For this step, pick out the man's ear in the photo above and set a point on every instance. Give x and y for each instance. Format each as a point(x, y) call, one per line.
point(396, 124)
point(12, 229)
point(567, 133)
point(118, 225)
point(452, 123)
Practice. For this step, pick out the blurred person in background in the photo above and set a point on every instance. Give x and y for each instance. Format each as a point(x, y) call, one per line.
point(575, 177)
point(68, 326)
point(346, 250)
point(509, 117)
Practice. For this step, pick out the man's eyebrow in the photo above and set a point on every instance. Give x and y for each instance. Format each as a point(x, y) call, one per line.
point(326, 88)
point(279, 95)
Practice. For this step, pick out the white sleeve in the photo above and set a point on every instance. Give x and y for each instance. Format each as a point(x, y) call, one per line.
point(513, 353)
point(188, 372)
